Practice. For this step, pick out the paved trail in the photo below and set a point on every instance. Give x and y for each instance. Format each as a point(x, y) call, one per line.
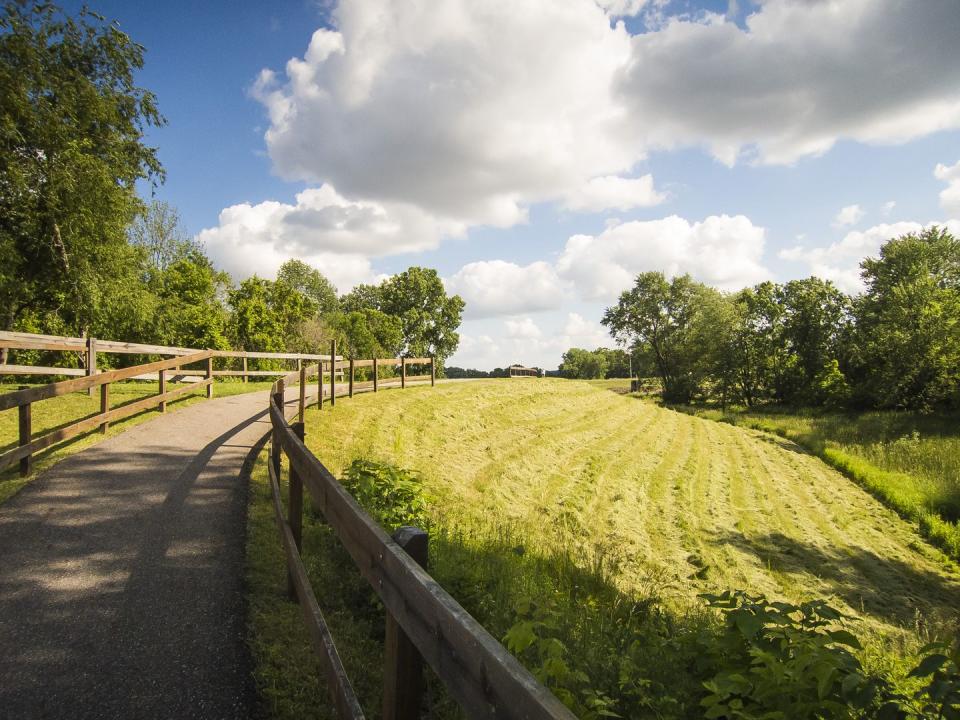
point(121, 574)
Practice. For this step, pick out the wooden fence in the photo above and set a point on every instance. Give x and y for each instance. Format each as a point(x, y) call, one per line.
point(186, 363)
point(423, 623)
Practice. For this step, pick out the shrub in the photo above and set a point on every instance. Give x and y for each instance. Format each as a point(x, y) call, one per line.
point(393, 496)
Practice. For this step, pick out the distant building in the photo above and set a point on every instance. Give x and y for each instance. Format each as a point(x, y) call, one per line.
point(521, 371)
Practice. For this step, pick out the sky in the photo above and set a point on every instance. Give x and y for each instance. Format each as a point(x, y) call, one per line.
point(541, 153)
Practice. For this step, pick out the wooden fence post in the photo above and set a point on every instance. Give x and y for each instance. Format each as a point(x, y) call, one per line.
point(23, 415)
point(433, 371)
point(295, 510)
point(320, 384)
point(245, 368)
point(351, 377)
point(104, 405)
point(303, 393)
point(91, 360)
point(163, 390)
point(275, 448)
point(333, 373)
point(403, 373)
point(374, 374)
point(210, 378)
point(403, 669)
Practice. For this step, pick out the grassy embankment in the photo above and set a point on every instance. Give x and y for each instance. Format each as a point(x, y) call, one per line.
point(48, 415)
point(599, 518)
point(910, 461)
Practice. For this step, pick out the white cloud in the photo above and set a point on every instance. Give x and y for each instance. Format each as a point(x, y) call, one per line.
point(887, 208)
point(322, 228)
point(840, 261)
point(468, 110)
point(580, 332)
point(611, 191)
point(799, 77)
point(523, 328)
point(949, 196)
point(848, 215)
point(497, 287)
point(723, 251)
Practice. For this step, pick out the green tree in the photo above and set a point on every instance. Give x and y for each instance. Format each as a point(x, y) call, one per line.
point(428, 316)
point(813, 332)
point(191, 314)
point(72, 122)
point(368, 333)
point(665, 319)
point(311, 282)
point(362, 297)
point(908, 323)
point(581, 364)
point(758, 352)
point(267, 316)
point(157, 230)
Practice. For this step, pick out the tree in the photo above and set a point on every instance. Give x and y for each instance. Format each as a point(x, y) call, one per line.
point(429, 317)
point(266, 316)
point(908, 322)
point(191, 314)
point(71, 151)
point(368, 333)
point(580, 364)
point(311, 282)
point(158, 231)
point(665, 319)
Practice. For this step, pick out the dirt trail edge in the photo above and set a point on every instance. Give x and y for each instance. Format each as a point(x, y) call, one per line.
point(121, 574)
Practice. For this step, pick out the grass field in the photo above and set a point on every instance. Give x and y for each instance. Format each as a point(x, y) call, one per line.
point(911, 461)
point(599, 517)
point(56, 412)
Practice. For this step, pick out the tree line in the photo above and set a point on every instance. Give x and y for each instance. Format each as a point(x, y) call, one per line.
point(805, 342)
point(81, 253)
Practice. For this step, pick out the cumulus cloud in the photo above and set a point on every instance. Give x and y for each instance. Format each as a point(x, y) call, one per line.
point(887, 208)
point(323, 228)
point(523, 328)
point(622, 193)
point(580, 332)
point(848, 215)
point(468, 110)
point(497, 287)
point(840, 261)
point(949, 196)
point(798, 77)
point(721, 250)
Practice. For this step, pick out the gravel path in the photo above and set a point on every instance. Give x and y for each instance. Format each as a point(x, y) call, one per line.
point(121, 574)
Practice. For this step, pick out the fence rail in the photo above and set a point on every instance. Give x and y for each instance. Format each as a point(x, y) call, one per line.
point(329, 369)
point(424, 622)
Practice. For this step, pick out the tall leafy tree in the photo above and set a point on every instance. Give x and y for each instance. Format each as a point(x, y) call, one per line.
point(72, 123)
point(908, 322)
point(368, 333)
point(428, 316)
point(311, 282)
point(581, 364)
point(665, 319)
point(267, 316)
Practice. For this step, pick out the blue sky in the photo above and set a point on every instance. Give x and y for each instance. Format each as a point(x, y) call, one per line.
point(540, 154)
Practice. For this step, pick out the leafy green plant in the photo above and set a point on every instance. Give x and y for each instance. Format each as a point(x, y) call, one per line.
point(940, 667)
point(779, 660)
point(392, 495)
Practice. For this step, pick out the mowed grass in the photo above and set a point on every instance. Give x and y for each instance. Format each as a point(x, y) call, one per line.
point(47, 415)
point(911, 461)
point(611, 514)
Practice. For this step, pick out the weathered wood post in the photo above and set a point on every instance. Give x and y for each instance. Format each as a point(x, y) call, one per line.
point(320, 384)
point(91, 360)
point(351, 377)
point(303, 393)
point(403, 373)
point(163, 390)
point(375, 375)
point(333, 373)
point(275, 449)
point(23, 416)
point(295, 510)
point(433, 371)
point(245, 368)
point(104, 405)
point(210, 378)
point(403, 669)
